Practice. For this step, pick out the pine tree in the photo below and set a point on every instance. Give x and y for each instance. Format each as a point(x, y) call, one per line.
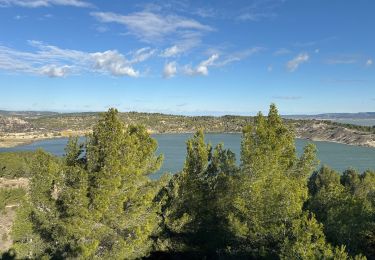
point(196, 200)
point(272, 185)
point(100, 205)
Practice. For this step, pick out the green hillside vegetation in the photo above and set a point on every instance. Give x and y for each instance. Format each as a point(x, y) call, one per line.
point(160, 123)
point(10, 196)
point(15, 164)
point(273, 205)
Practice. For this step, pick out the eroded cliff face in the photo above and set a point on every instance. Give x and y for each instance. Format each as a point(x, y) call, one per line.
point(321, 131)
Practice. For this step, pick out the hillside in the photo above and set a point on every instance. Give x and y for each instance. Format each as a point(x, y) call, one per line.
point(360, 115)
point(18, 128)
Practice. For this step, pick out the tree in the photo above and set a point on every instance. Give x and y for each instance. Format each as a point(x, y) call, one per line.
point(98, 205)
point(196, 200)
point(271, 188)
point(306, 240)
point(343, 204)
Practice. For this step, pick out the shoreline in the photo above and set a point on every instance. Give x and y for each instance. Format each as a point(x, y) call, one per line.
point(19, 139)
point(16, 142)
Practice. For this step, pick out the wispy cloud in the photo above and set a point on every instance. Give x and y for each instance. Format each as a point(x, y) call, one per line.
point(170, 70)
point(259, 10)
point(205, 12)
point(150, 27)
point(202, 68)
point(54, 71)
point(171, 51)
point(369, 62)
point(142, 54)
point(52, 61)
point(238, 56)
point(217, 59)
point(44, 3)
point(293, 64)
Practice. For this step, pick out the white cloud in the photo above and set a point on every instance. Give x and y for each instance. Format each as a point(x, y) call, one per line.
point(293, 64)
point(202, 68)
point(142, 54)
point(170, 69)
point(269, 68)
point(54, 71)
point(151, 27)
point(114, 63)
point(171, 51)
point(369, 62)
point(44, 3)
point(216, 60)
point(53, 61)
point(237, 56)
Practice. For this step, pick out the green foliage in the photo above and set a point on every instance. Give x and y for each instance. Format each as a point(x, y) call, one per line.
point(272, 186)
point(306, 240)
point(345, 205)
point(196, 200)
point(15, 164)
point(27, 244)
point(10, 196)
point(100, 205)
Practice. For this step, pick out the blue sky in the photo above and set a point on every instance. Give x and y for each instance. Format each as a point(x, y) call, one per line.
point(188, 57)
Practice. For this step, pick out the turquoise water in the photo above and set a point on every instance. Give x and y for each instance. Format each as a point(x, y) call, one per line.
point(338, 156)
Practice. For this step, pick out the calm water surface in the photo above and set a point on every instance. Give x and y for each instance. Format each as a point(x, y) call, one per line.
point(338, 156)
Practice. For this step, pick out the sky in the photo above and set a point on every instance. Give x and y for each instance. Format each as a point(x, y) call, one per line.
point(211, 57)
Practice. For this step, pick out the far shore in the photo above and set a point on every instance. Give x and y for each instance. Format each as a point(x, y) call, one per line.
point(19, 139)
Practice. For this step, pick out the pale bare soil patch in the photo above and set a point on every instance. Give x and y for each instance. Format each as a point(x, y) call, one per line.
point(15, 139)
point(317, 131)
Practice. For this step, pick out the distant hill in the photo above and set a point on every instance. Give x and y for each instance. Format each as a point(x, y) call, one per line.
point(27, 113)
point(332, 116)
point(28, 126)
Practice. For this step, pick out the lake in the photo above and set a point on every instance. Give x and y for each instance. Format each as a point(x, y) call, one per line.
point(337, 156)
